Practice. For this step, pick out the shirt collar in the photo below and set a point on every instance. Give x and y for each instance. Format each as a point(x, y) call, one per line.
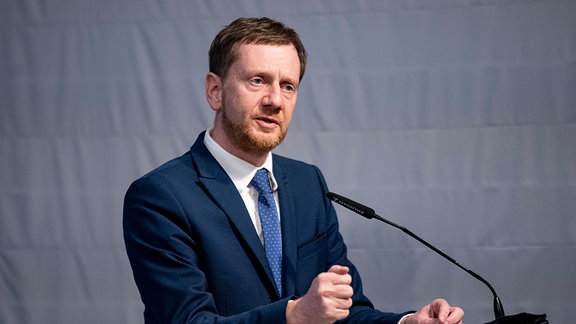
point(240, 171)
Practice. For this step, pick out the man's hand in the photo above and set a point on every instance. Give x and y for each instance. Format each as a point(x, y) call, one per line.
point(438, 312)
point(328, 299)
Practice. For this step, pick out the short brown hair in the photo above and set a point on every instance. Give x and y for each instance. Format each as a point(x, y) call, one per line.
point(265, 31)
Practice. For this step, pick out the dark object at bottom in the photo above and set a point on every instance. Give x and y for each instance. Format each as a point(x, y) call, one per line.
point(521, 318)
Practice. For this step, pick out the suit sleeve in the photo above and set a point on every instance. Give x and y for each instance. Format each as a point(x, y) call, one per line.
point(162, 253)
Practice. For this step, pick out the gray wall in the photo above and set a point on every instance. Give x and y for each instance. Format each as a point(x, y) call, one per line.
point(456, 119)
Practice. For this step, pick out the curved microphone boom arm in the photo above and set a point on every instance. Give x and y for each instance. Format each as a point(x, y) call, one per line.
point(369, 213)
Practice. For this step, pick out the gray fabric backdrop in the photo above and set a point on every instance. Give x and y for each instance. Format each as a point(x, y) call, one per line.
point(454, 118)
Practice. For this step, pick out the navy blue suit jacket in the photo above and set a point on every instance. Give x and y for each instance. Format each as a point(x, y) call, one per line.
point(195, 254)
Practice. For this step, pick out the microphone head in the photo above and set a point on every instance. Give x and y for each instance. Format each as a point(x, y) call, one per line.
point(352, 205)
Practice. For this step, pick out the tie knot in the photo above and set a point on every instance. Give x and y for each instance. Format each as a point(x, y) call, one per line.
point(261, 182)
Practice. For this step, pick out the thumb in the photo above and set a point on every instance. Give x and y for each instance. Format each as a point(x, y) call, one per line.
point(338, 269)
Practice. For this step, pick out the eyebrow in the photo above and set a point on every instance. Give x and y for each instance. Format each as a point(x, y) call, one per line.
point(283, 78)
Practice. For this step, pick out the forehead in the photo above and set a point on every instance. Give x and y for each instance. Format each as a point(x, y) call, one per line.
point(268, 58)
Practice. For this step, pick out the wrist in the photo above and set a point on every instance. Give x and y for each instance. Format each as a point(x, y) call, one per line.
point(404, 320)
point(290, 318)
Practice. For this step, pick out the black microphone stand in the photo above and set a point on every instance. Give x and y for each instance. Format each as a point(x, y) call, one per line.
point(500, 317)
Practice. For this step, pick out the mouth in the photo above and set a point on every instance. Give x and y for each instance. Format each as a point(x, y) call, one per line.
point(267, 122)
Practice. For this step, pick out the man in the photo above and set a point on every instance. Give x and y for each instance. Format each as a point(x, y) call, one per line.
point(200, 245)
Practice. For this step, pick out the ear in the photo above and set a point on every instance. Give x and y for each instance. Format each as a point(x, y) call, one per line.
point(214, 91)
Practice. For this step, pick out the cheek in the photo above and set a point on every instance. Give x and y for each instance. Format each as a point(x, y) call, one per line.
point(233, 105)
point(289, 112)
point(240, 102)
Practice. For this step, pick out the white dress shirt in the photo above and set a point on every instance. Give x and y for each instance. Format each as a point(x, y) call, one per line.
point(241, 173)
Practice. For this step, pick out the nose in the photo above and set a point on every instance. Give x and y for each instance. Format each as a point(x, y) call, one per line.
point(273, 97)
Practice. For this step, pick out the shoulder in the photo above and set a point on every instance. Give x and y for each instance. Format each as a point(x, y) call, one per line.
point(171, 168)
point(170, 176)
point(183, 167)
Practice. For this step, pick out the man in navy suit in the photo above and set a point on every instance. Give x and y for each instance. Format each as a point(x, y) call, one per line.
point(192, 227)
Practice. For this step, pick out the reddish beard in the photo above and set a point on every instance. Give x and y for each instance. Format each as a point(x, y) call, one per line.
point(242, 136)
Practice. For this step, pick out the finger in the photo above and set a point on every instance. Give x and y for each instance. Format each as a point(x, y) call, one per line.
point(456, 315)
point(343, 304)
point(340, 279)
point(334, 286)
point(340, 314)
point(338, 275)
point(338, 269)
point(440, 309)
point(343, 292)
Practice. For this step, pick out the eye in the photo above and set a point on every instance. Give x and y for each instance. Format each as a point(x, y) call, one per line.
point(289, 87)
point(257, 81)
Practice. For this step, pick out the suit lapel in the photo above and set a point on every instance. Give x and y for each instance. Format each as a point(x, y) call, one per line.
point(221, 188)
point(289, 238)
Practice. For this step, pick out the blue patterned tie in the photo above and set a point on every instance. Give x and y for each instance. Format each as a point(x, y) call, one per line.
point(270, 225)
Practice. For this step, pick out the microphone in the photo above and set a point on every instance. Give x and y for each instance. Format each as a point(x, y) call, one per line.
point(369, 213)
point(520, 318)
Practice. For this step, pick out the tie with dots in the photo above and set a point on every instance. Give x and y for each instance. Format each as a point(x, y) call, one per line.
point(270, 225)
